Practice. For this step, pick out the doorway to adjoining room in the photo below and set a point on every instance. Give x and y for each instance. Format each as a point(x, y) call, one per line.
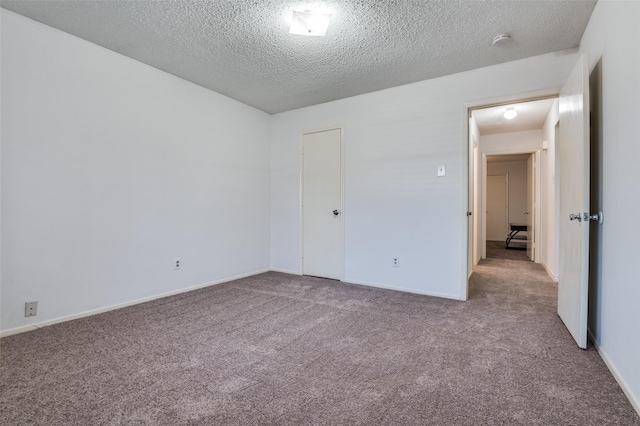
point(507, 210)
point(514, 181)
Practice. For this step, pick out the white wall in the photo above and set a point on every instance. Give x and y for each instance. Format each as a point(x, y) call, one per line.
point(111, 169)
point(612, 41)
point(511, 142)
point(517, 171)
point(395, 205)
point(549, 243)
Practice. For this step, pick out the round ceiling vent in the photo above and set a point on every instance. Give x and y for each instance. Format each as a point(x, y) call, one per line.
point(501, 39)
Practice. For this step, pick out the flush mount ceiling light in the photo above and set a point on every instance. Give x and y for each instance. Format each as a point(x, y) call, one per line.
point(310, 23)
point(510, 113)
point(501, 39)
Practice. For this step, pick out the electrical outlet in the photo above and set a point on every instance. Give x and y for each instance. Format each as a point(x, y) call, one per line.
point(395, 262)
point(30, 309)
point(177, 264)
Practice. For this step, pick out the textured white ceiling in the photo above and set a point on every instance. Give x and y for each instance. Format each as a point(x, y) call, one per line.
point(242, 48)
point(531, 116)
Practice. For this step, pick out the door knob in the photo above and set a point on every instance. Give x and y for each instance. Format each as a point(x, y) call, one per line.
point(599, 217)
point(336, 212)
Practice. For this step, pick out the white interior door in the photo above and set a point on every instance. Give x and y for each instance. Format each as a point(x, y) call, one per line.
point(322, 247)
point(497, 211)
point(574, 200)
point(531, 191)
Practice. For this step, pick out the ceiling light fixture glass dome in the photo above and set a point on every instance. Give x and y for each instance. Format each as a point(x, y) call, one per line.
point(310, 23)
point(510, 113)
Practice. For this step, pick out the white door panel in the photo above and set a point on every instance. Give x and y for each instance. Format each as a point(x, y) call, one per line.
point(574, 199)
point(497, 207)
point(322, 248)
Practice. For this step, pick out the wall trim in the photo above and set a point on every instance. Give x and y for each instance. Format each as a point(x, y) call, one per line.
point(286, 271)
point(405, 290)
point(386, 287)
point(35, 326)
point(553, 276)
point(635, 401)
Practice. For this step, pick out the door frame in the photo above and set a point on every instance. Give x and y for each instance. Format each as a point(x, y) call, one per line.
point(467, 107)
point(301, 193)
point(536, 192)
point(537, 206)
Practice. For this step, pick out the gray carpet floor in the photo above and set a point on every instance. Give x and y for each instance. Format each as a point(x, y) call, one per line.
point(496, 250)
point(281, 349)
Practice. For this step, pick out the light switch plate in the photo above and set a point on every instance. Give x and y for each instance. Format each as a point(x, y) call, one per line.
point(442, 170)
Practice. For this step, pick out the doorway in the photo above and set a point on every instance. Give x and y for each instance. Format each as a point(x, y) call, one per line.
point(512, 237)
point(322, 204)
point(515, 148)
point(571, 110)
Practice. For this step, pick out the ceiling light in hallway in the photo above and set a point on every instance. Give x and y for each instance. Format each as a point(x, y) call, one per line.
point(510, 113)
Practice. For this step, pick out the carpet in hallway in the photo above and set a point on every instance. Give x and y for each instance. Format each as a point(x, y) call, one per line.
point(497, 250)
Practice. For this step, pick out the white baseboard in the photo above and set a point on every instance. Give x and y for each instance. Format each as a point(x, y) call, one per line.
point(285, 271)
point(633, 399)
point(551, 274)
point(18, 330)
point(35, 326)
point(386, 287)
point(404, 289)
